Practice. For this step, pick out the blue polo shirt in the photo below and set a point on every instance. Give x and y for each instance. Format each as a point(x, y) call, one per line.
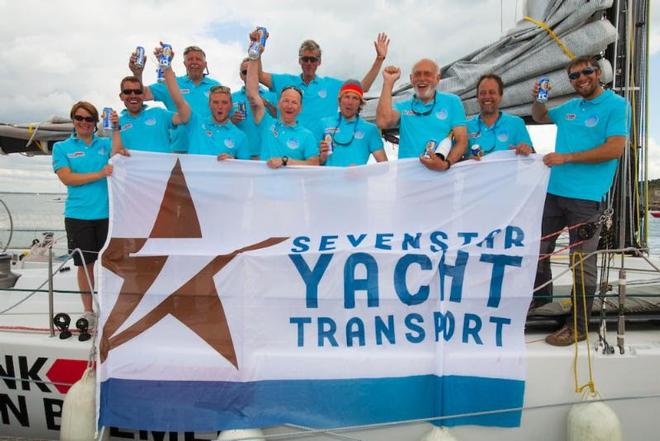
point(148, 130)
point(247, 125)
point(508, 130)
point(319, 96)
point(88, 201)
point(353, 141)
point(197, 96)
point(583, 125)
point(424, 122)
point(278, 139)
point(208, 137)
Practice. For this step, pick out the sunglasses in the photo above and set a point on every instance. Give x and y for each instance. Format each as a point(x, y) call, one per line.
point(297, 89)
point(132, 91)
point(88, 119)
point(244, 72)
point(586, 71)
point(309, 59)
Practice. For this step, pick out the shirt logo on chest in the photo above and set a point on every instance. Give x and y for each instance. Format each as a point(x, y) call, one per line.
point(75, 155)
point(127, 126)
point(150, 122)
point(292, 144)
point(592, 121)
point(503, 137)
point(441, 115)
point(229, 143)
point(323, 93)
point(359, 134)
point(570, 116)
point(185, 91)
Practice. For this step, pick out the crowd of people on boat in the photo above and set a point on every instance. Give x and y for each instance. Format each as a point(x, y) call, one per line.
point(307, 119)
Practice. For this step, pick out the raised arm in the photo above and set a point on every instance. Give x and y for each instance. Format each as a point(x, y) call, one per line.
point(183, 111)
point(265, 78)
point(381, 44)
point(137, 71)
point(252, 91)
point(386, 115)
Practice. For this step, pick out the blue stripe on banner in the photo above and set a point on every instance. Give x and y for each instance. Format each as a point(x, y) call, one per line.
point(202, 406)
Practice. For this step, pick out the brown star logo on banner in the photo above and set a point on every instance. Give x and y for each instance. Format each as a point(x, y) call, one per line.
point(196, 304)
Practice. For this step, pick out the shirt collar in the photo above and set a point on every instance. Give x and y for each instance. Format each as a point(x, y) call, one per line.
point(128, 114)
point(495, 124)
point(599, 99)
point(225, 125)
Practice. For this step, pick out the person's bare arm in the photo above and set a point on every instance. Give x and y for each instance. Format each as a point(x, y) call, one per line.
point(386, 115)
point(381, 44)
point(67, 177)
point(612, 148)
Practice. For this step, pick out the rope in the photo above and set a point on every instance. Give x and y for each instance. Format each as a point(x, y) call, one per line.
point(552, 34)
point(590, 383)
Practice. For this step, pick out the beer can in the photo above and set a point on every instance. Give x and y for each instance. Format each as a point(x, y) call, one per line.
point(107, 124)
point(544, 90)
point(476, 151)
point(255, 46)
point(140, 56)
point(160, 75)
point(429, 148)
point(166, 55)
point(328, 140)
point(242, 107)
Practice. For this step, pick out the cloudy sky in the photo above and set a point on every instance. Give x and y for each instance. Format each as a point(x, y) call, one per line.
point(59, 51)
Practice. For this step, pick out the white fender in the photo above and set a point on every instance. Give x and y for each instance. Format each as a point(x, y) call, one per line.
point(594, 421)
point(79, 410)
point(251, 434)
point(438, 434)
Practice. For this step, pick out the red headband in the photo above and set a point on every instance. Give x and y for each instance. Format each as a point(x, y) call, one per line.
point(355, 88)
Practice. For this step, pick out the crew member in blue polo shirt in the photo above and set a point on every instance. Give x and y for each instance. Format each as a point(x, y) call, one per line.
point(352, 138)
point(81, 163)
point(242, 114)
point(194, 86)
point(283, 140)
point(319, 93)
point(216, 134)
point(491, 129)
point(147, 128)
point(429, 115)
point(591, 136)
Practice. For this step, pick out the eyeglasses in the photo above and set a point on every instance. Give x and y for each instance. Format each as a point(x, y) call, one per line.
point(309, 59)
point(88, 119)
point(220, 89)
point(297, 89)
point(132, 91)
point(586, 71)
point(244, 72)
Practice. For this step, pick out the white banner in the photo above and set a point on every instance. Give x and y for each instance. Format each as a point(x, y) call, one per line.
point(233, 295)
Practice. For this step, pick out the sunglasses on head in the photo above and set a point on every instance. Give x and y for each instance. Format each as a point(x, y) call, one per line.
point(244, 72)
point(586, 71)
point(300, 92)
point(132, 91)
point(309, 59)
point(88, 119)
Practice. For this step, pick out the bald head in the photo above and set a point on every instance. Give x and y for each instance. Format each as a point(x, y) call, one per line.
point(427, 64)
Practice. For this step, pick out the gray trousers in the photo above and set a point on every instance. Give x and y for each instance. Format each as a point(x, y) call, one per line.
point(560, 212)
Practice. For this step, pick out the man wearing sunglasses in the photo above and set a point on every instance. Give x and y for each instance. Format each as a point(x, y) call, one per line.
point(351, 138)
point(591, 136)
point(147, 128)
point(430, 115)
point(216, 134)
point(194, 86)
point(319, 93)
point(241, 114)
point(493, 129)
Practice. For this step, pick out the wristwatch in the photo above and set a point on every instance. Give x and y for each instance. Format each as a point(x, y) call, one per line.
point(285, 160)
